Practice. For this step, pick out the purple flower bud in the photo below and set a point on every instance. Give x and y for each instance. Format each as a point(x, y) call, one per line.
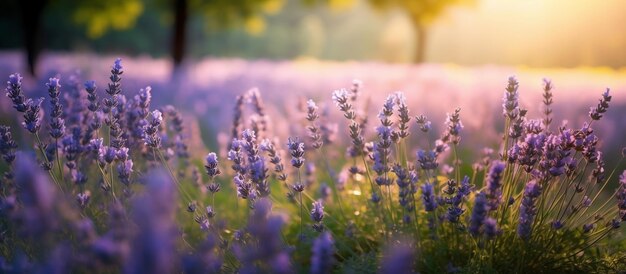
point(428, 195)
point(317, 212)
point(211, 165)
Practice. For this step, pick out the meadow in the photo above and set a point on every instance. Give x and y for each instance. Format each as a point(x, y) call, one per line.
point(232, 166)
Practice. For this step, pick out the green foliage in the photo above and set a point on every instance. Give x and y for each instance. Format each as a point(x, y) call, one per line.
point(420, 11)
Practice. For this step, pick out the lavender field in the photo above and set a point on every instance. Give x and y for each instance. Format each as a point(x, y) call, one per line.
point(312, 136)
point(234, 166)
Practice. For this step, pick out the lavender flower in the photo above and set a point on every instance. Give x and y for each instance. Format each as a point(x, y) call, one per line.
point(124, 170)
point(37, 197)
point(404, 181)
point(428, 194)
point(547, 102)
point(454, 126)
point(603, 105)
point(314, 130)
point(92, 96)
point(32, 119)
point(427, 159)
point(57, 124)
point(249, 143)
point(456, 196)
point(491, 228)
point(83, 198)
point(116, 73)
point(236, 156)
point(423, 123)
point(265, 228)
point(510, 105)
point(296, 149)
point(150, 131)
point(479, 214)
point(275, 159)
point(341, 97)
point(399, 258)
point(322, 260)
point(153, 249)
point(258, 175)
point(528, 209)
point(403, 118)
point(237, 114)
point(14, 92)
point(7, 145)
point(255, 98)
point(317, 214)
point(387, 111)
point(211, 165)
point(493, 181)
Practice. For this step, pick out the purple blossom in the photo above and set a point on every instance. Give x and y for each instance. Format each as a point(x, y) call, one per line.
point(92, 96)
point(317, 212)
point(236, 156)
point(296, 150)
point(14, 92)
point(258, 175)
point(491, 228)
point(211, 165)
point(322, 260)
point(341, 97)
point(275, 158)
point(428, 195)
point(116, 72)
point(37, 196)
point(153, 250)
point(32, 119)
point(510, 105)
point(479, 214)
point(124, 170)
point(427, 159)
point(494, 184)
point(399, 258)
point(150, 132)
point(423, 123)
point(603, 105)
point(7, 145)
point(528, 209)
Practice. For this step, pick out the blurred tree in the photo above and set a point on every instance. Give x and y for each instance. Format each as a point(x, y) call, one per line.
point(422, 13)
point(100, 16)
point(218, 14)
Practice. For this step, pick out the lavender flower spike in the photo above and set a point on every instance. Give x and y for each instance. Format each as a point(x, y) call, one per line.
point(211, 165)
point(494, 184)
point(322, 260)
point(399, 259)
point(430, 203)
point(14, 92)
point(32, 119)
point(510, 104)
point(528, 209)
point(479, 214)
point(603, 105)
point(296, 149)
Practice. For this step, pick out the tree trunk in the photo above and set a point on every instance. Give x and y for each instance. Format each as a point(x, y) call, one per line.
point(32, 13)
point(181, 14)
point(421, 34)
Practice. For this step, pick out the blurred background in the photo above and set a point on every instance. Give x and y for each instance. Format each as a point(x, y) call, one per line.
point(536, 33)
point(199, 54)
